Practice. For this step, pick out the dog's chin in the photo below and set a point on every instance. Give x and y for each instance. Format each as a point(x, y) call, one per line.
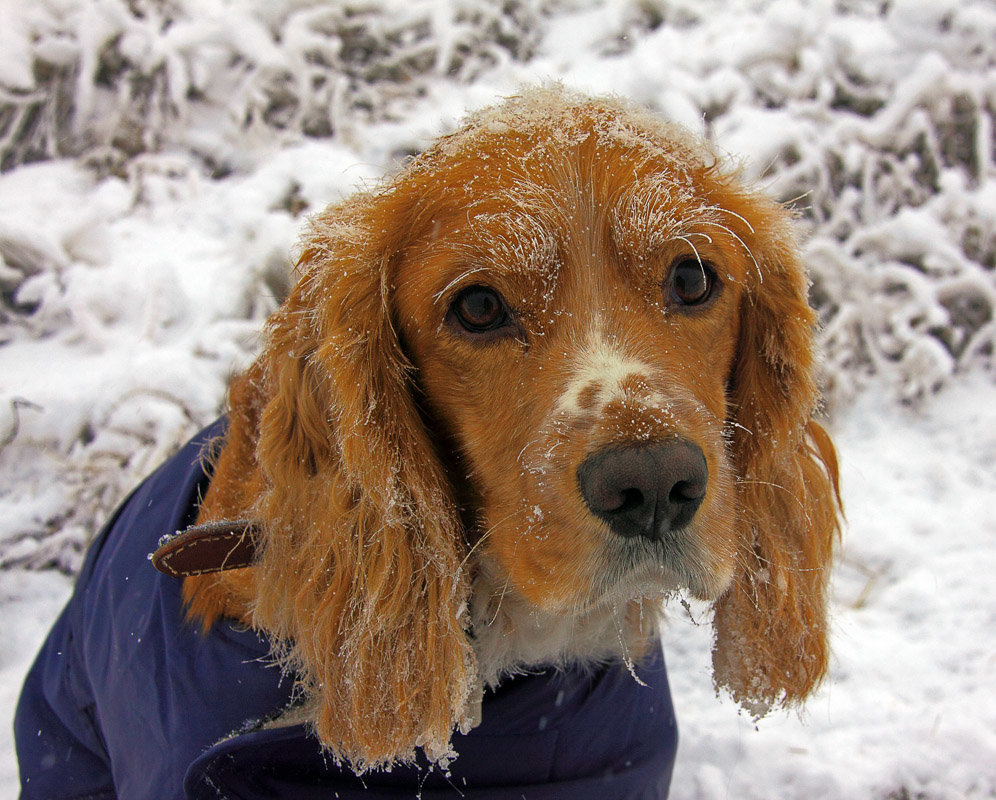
point(644, 570)
point(617, 571)
point(616, 613)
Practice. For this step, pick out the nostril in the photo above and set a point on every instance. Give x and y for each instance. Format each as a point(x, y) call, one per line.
point(687, 492)
point(631, 499)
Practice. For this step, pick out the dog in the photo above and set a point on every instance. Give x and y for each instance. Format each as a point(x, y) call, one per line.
point(556, 370)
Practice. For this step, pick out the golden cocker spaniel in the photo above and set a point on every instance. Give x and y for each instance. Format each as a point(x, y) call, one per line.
point(557, 369)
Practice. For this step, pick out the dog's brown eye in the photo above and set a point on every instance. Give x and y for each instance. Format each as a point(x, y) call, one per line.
point(479, 309)
point(691, 282)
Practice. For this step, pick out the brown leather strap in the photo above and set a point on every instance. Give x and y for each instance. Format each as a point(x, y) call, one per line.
point(211, 547)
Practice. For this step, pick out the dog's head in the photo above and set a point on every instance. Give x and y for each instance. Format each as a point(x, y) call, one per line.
point(562, 355)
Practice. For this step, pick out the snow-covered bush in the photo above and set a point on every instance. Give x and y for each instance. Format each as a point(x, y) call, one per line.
point(883, 137)
point(876, 118)
point(115, 78)
point(200, 131)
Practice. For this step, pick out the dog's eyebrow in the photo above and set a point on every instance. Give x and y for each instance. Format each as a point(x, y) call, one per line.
point(654, 212)
point(517, 241)
point(458, 279)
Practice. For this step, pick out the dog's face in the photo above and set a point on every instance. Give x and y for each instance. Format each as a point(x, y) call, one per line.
point(568, 328)
point(573, 317)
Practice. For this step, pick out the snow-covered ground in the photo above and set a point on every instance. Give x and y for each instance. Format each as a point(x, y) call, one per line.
point(138, 259)
point(910, 704)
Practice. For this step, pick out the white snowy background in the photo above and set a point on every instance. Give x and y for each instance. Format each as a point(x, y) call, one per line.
point(158, 160)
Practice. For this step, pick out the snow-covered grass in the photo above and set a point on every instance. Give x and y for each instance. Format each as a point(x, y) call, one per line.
point(159, 157)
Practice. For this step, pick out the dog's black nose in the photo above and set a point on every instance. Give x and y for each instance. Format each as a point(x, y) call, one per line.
point(645, 489)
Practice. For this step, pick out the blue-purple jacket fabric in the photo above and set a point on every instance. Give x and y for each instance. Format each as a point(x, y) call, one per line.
point(127, 700)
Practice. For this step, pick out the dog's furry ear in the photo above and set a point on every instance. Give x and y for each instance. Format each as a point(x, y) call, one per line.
point(360, 569)
point(771, 624)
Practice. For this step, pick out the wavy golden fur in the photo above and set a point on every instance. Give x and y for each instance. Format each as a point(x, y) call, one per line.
point(460, 342)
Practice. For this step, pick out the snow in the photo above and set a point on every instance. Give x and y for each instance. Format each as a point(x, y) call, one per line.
point(31, 601)
point(140, 256)
point(909, 702)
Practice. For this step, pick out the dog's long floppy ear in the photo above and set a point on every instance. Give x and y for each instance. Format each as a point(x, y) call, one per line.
point(771, 624)
point(360, 569)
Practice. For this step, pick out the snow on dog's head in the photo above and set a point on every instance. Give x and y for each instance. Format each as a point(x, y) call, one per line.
point(555, 370)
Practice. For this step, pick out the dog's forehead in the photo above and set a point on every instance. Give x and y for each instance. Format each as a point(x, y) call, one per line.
point(575, 173)
point(527, 183)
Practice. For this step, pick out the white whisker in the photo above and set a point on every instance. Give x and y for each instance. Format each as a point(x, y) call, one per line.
point(735, 214)
point(698, 258)
point(750, 255)
point(463, 275)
